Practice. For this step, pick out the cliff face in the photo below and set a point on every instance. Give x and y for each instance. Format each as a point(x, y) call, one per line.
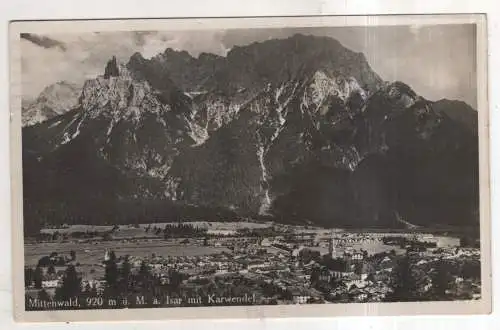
point(299, 129)
point(54, 100)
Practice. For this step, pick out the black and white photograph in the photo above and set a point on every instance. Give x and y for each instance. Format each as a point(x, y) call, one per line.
point(262, 165)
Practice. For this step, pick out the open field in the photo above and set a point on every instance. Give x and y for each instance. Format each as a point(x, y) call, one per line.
point(131, 231)
point(93, 253)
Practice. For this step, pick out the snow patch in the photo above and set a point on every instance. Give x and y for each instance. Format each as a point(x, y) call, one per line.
point(197, 133)
point(77, 131)
point(66, 138)
point(266, 200)
point(303, 104)
point(110, 128)
point(55, 124)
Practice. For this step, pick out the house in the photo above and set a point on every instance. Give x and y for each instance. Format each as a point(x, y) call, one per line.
point(258, 264)
point(300, 299)
point(156, 266)
point(50, 282)
point(382, 276)
point(361, 297)
point(340, 274)
point(265, 242)
point(358, 281)
point(299, 296)
point(357, 256)
point(97, 284)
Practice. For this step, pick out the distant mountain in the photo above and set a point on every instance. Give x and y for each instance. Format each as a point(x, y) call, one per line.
point(54, 100)
point(458, 111)
point(296, 130)
point(189, 73)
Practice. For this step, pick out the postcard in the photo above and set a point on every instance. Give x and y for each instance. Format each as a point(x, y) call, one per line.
point(250, 167)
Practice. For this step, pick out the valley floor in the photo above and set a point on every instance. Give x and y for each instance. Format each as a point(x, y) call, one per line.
point(191, 264)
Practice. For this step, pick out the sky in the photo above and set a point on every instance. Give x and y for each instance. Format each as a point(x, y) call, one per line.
point(437, 61)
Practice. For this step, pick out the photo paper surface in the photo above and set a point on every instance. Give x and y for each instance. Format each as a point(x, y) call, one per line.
point(257, 167)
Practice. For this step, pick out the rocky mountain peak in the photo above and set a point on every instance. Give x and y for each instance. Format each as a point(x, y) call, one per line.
point(172, 52)
point(209, 57)
point(280, 60)
point(54, 100)
point(111, 69)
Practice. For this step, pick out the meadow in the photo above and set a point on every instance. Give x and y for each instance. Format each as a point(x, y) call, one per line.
point(92, 253)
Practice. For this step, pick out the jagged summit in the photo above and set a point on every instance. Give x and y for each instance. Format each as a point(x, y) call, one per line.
point(276, 61)
point(111, 68)
point(299, 129)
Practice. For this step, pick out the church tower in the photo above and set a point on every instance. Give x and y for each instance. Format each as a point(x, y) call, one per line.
point(106, 255)
point(331, 246)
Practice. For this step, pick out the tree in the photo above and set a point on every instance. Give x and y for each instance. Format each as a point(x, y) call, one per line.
point(470, 270)
point(144, 271)
point(307, 255)
point(465, 241)
point(124, 277)
point(403, 284)
point(146, 282)
point(38, 277)
point(315, 273)
point(29, 276)
point(44, 261)
point(175, 280)
point(51, 270)
point(111, 273)
point(112, 256)
point(71, 284)
point(336, 283)
point(60, 261)
point(441, 280)
point(358, 268)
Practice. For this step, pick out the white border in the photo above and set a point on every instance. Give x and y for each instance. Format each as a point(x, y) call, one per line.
point(124, 9)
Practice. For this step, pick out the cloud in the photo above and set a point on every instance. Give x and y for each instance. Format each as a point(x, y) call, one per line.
point(42, 41)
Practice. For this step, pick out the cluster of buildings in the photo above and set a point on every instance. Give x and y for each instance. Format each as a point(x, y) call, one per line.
point(306, 266)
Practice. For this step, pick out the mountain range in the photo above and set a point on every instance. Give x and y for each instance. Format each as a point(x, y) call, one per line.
point(298, 130)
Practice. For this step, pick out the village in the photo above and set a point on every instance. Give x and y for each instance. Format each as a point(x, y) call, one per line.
point(278, 265)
